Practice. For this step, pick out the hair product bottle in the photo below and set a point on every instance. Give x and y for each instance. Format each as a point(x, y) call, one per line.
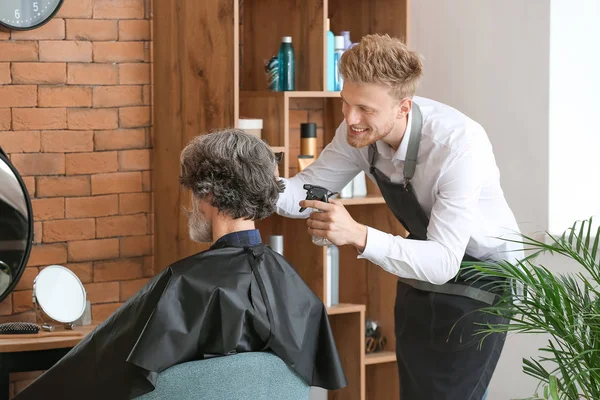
point(286, 65)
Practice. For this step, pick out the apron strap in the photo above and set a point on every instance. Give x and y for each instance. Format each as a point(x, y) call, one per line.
point(413, 144)
point(454, 289)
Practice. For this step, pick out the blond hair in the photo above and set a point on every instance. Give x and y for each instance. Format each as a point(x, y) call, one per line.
point(381, 59)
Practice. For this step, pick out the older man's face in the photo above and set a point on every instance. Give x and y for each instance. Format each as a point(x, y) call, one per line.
point(200, 228)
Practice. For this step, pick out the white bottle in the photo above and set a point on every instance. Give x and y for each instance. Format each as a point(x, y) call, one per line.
point(332, 276)
point(337, 55)
point(359, 185)
point(346, 192)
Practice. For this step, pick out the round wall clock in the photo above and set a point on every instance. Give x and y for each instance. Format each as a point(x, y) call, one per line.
point(24, 15)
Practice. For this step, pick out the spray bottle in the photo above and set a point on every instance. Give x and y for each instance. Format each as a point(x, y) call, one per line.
point(314, 192)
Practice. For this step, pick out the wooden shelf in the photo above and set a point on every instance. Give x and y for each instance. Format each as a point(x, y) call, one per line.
point(368, 199)
point(380, 357)
point(290, 94)
point(278, 149)
point(345, 309)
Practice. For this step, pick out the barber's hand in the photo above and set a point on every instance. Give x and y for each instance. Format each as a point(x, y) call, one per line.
point(335, 224)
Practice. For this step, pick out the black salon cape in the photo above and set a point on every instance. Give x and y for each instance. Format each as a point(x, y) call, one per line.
point(208, 304)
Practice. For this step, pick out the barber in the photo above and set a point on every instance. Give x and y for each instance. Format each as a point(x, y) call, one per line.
point(436, 170)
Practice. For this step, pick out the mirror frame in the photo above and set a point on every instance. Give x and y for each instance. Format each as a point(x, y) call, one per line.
point(23, 265)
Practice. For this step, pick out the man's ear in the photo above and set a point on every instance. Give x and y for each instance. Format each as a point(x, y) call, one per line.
point(404, 108)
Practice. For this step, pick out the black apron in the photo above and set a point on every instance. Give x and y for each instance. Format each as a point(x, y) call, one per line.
point(439, 357)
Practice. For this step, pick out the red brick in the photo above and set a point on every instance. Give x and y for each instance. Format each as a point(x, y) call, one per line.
point(135, 246)
point(69, 229)
point(22, 301)
point(67, 141)
point(26, 281)
point(134, 203)
point(88, 29)
point(39, 163)
point(134, 160)
point(25, 119)
point(92, 74)
point(35, 72)
point(118, 182)
point(118, 270)
point(110, 52)
point(6, 306)
point(146, 181)
point(95, 206)
point(134, 29)
point(4, 73)
point(51, 186)
point(89, 250)
point(92, 118)
point(52, 30)
point(66, 50)
point(18, 96)
point(76, 9)
point(48, 254)
point(30, 184)
point(91, 163)
point(28, 316)
point(116, 96)
point(19, 51)
point(4, 34)
point(134, 117)
point(64, 96)
point(105, 292)
point(134, 73)
point(20, 142)
point(50, 208)
point(37, 232)
point(125, 225)
point(129, 288)
point(100, 312)
point(5, 119)
point(120, 139)
point(82, 270)
point(123, 9)
point(148, 267)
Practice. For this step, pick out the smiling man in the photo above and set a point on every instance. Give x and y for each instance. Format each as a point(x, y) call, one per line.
point(436, 170)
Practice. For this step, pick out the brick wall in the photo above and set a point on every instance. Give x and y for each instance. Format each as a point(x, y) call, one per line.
point(75, 116)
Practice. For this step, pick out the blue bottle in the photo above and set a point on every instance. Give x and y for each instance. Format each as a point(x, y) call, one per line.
point(286, 65)
point(330, 53)
point(339, 50)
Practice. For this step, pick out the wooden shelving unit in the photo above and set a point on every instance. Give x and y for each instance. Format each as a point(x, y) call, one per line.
point(208, 71)
point(380, 357)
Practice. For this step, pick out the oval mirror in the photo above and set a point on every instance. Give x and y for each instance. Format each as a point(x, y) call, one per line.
point(16, 226)
point(58, 296)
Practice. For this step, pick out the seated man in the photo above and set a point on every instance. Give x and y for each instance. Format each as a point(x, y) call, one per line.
point(238, 296)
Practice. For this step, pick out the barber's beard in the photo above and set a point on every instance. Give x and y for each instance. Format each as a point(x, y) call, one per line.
point(370, 136)
point(200, 229)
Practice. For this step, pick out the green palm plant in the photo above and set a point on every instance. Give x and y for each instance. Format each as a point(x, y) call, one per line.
point(566, 307)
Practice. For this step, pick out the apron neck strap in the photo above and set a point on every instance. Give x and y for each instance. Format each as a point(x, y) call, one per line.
point(413, 146)
point(413, 143)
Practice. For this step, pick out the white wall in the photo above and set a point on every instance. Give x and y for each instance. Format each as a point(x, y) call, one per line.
point(490, 60)
point(574, 109)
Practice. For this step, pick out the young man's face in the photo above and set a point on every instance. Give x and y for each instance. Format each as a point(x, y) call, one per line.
point(370, 111)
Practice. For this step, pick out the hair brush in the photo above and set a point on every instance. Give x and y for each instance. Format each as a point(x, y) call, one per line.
point(30, 330)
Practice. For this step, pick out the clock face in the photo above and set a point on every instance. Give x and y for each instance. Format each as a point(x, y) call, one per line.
point(27, 14)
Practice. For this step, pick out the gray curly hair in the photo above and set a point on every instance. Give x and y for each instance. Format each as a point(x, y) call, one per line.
point(237, 169)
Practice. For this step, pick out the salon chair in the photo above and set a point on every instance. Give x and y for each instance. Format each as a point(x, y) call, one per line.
point(244, 376)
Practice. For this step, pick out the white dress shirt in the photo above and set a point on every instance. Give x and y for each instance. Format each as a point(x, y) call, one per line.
point(456, 182)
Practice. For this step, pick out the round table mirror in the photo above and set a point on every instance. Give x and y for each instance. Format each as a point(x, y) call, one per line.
point(58, 296)
point(16, 226)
